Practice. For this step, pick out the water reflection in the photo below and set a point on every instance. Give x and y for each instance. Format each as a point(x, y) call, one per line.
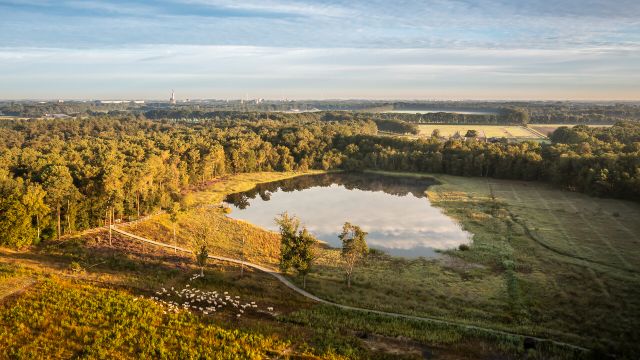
point(393, 210)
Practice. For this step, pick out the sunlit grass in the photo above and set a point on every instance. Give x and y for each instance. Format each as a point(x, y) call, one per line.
point(58, 319)
point(505, 280)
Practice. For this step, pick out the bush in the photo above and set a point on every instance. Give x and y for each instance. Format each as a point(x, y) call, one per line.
point(463, 247)
point(75, 267)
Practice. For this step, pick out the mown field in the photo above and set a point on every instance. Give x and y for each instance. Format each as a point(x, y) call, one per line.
point(488, 131)
point(543, 262)
point(547, 129)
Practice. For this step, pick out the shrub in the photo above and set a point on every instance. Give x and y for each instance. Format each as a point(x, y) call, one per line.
point(75, 267)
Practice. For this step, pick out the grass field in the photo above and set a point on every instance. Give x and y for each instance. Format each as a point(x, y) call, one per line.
point(488, 131)
point(543, 261)
point(547, 129)
point(85, 274)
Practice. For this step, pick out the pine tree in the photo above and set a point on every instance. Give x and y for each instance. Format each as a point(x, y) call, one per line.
point(59, 187)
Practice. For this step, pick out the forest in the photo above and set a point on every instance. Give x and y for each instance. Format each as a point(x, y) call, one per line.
point(507, 112)
point(61, 176)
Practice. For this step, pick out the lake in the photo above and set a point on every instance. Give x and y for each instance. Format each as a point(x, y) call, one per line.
point(453, 111)
point(393, 210)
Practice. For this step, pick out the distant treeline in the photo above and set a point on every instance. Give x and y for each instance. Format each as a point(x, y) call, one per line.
point(60, 176)
point(545, 112)
point(510, 116)
point(584, 113)
point(36, 109)
point(397, 126)
point(514, 112)
point(386, 121)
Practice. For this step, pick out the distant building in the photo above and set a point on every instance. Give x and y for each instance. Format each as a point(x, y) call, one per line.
point(172, 99)
point(113, 101)
point(103, 102)
point(56, 116)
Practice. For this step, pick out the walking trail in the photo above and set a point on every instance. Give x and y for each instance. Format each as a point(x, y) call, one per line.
point(15, 285)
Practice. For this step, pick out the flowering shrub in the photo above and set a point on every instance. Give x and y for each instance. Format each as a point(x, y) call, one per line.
point(58, 319)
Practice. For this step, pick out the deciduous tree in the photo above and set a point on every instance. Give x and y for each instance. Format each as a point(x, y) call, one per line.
point(354, 248)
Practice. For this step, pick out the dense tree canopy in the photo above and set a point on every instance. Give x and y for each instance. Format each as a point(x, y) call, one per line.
point(59, 176)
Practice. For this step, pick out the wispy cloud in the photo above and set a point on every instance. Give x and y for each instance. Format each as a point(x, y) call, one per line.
point(433, 48)
point(310, 9)
point(228, 71)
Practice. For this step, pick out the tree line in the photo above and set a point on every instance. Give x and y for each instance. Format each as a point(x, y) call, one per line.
point(57, 177)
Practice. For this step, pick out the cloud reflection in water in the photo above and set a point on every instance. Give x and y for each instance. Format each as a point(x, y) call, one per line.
point(388, 208)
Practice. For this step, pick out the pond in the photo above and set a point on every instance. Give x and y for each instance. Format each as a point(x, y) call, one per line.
point(452, 111)
point(393, 210)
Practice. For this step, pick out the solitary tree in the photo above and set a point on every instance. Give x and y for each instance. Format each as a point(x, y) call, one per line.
point(174, 210)
point(202, 254)
point(296, 246)
point(242, 257)
point(304, 254)
point(354, 248)
point(203, 232)
point(288, 231)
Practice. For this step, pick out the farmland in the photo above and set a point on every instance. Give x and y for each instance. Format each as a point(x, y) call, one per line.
point(547, 129)
point(488, 131)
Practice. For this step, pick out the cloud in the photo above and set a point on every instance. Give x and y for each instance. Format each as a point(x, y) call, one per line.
point(231, 71)
point(335, 24)
point(337, 48)
point(309, 9)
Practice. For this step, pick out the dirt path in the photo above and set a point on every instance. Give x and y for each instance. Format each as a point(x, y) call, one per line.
point(15, 285)
point(308, 295)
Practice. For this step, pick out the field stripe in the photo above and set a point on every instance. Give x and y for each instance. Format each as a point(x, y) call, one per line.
point(536, 133)
point(561, 228)
point(595, 231)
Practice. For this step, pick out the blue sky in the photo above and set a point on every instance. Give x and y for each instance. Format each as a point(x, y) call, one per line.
point(432, 49)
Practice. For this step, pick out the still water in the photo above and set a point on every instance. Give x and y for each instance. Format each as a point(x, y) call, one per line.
point(453, 111)
point(393, 210)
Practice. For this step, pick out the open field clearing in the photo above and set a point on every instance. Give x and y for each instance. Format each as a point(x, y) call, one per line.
point(535, 267)
point(547, 129)
point(488, 131)
point(12, 118)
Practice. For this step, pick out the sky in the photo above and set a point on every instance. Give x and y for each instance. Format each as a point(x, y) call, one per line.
point(352, 49)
